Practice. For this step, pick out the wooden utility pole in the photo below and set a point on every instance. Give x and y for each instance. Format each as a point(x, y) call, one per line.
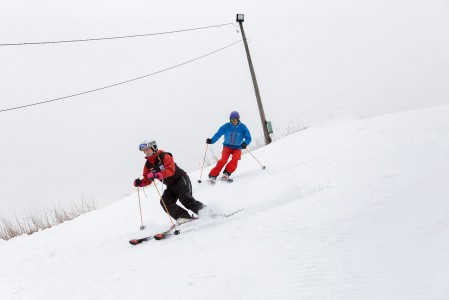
point(240, 19)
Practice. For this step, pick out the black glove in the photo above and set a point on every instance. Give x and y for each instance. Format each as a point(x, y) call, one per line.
point(243, 145)
point(208, 141)
point(137, 182)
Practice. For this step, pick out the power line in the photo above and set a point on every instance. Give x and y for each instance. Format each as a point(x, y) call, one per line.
point(116, 37)
point(123, 82)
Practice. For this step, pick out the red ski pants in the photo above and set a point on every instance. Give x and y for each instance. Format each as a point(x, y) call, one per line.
point(231, 166)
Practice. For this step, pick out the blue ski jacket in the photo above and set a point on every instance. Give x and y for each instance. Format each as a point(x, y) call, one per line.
point(234, 136)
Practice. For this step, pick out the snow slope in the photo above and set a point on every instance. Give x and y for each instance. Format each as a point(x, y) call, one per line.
point(354, 209)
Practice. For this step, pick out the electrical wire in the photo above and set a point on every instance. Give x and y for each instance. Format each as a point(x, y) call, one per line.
point(123, 82)
point(115, 37)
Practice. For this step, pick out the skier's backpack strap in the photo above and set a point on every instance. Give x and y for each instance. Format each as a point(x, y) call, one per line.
point(162, 154)
point(160, 161)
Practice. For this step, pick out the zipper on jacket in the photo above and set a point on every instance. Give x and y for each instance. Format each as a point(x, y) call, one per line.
point(234, 136)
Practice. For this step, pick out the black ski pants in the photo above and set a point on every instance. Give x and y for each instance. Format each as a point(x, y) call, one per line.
point(182, 190)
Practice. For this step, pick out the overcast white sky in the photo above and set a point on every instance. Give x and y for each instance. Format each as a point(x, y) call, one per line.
point(312, 58)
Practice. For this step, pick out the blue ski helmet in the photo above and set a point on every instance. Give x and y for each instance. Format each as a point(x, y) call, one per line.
point(234, 115)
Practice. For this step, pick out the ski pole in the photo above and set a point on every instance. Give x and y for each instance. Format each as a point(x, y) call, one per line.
point(140, 208)
point(263, 167)
point(201, 174)
point(166, 210)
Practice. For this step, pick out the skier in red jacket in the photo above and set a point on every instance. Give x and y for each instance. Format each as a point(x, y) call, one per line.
point(161, 166)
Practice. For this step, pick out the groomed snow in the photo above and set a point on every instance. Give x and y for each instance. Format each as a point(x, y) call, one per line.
point(354, 209)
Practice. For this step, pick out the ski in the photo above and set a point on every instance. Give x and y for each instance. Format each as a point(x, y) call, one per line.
point(233, 213)
point(138, 241)
point(229, 180)
point(173, 231)
point(223, 216)
point(166, 235)
point(158, 236)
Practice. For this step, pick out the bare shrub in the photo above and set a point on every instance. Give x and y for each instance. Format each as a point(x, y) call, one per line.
point(34, 221)
point(292, 127)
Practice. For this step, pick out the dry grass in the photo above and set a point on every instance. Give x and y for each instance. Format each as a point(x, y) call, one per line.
point(34, 221)
point(292, 127)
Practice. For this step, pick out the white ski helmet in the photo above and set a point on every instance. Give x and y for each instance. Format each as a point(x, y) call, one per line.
point(148, 143)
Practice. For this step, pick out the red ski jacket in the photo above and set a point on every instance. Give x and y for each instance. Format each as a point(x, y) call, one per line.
point(162, 162)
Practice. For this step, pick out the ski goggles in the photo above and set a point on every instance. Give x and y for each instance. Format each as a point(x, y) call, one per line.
point(145, 146)
point(234, 120)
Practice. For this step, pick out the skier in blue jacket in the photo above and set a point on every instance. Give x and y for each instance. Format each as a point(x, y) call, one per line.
point(236, 137)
